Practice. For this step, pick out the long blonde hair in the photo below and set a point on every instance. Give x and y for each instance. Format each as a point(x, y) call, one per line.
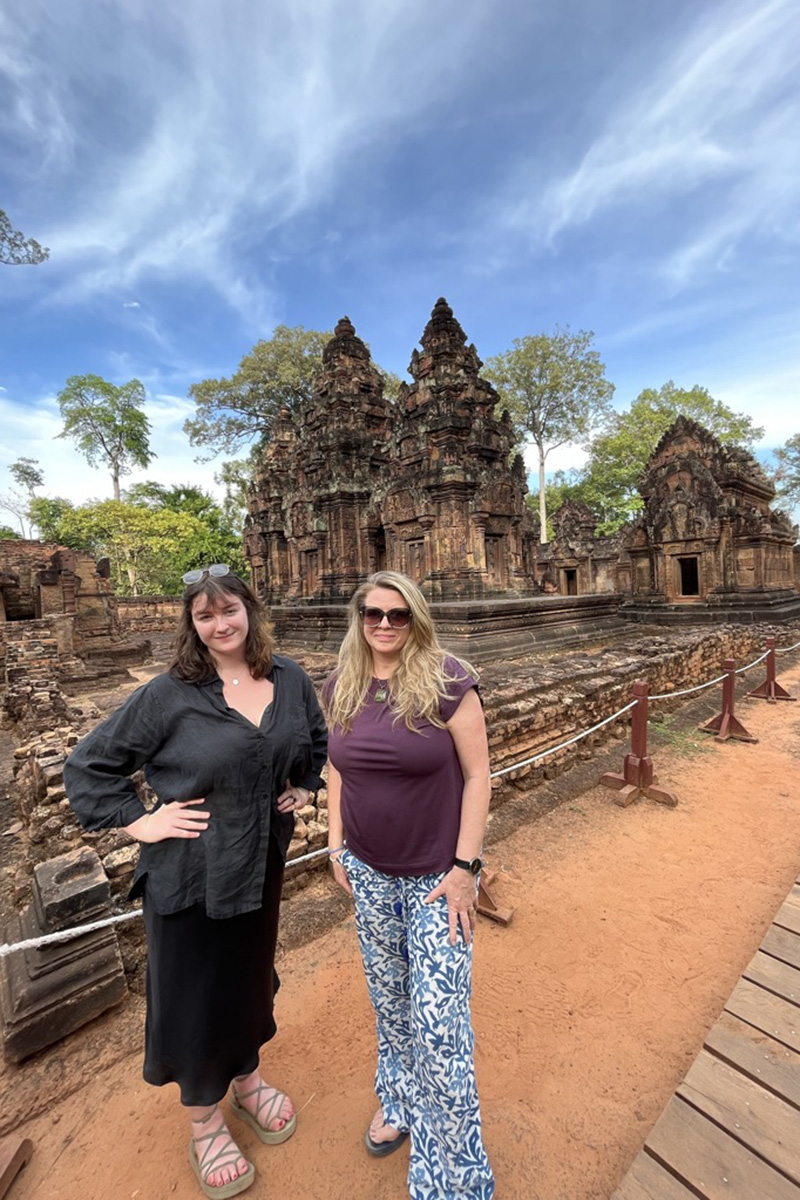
point(420, 681)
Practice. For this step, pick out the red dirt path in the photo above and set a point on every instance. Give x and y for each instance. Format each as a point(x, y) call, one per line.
point(631, 928)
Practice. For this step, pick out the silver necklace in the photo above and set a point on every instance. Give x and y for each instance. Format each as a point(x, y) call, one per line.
point(383, 690)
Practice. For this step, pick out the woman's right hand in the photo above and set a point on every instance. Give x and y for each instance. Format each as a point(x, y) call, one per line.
point(340, 875)
point(173, 820)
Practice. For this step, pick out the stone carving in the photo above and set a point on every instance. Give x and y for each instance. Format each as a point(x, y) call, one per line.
point(576, 562)
point(707, 535)
point(48, 992)
point(423, 485)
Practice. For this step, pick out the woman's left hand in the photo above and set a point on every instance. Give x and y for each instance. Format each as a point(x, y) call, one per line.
point(293, 799)
point(459, 888)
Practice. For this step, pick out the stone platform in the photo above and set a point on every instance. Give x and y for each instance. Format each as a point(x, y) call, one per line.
point(737, 608)
point(478, 630)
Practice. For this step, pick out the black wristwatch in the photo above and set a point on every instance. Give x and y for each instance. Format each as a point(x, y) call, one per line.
point(473, 865)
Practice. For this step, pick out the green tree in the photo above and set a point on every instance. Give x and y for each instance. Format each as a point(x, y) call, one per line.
point(17, 250)
point(277, 373)
point(787, 476)
point(107, 423)
point(26, 473)
point(148, 549)
point(620, 453)
point(47, 514)
point(554, 387)
point(8, 534)
point(220, 541)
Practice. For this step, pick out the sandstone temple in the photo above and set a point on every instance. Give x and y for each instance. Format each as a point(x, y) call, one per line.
point(424, 484)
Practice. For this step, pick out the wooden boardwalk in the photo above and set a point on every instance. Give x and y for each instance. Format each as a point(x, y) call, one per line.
point(732, 1129)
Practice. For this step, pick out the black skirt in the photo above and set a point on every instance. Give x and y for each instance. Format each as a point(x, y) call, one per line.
point(210, 990)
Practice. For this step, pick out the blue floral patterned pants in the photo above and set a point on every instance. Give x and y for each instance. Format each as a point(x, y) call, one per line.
point(420, 988)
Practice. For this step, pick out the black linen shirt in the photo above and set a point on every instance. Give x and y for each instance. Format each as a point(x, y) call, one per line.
point(192, 745)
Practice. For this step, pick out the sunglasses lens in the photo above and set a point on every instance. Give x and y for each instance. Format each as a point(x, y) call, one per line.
point(218, 569)
point(399, 618)
point(372, 616)
point(192, 576)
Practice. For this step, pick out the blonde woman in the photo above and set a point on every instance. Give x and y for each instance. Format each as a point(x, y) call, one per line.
point(408, 796)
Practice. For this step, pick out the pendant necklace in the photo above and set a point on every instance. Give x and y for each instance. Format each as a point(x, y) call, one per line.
point(383, 690)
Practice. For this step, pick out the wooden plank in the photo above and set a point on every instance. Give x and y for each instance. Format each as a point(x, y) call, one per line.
point(757, 1055)
point(15, 1152)
point(647, 1180)
point(782, 944)
point(766, 1012)
point(776, 976)
point(788, 915)
point(752, 1115)
point(711, 1162)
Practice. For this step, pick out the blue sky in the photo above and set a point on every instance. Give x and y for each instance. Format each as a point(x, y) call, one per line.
point(205, 170)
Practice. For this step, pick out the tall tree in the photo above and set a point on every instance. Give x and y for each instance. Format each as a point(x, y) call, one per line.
point(107, 423)
point(554, 387)
point(620, 453)
point(17, 250)
point(277, 373)
point(220, 540)
point(26, 474)
point(787, 476)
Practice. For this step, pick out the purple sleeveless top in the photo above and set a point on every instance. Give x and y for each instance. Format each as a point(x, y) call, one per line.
point(401, 791)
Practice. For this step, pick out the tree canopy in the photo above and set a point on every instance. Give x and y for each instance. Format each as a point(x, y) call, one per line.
point(151, 538)
point(555, 389)
point(27, 474)
point(620, 452)
point(277, 373)
point(15, 249)
point(107, 423)
point(787, 476)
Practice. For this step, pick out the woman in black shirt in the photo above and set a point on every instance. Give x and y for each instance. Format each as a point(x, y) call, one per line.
point(232, 740)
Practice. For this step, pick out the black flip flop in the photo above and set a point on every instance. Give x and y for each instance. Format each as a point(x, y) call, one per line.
point(381, 1149)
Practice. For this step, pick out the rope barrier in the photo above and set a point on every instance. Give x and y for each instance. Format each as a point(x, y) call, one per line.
point(552, 750)
point(754, 663)
point(66, 935)
point(687, 691)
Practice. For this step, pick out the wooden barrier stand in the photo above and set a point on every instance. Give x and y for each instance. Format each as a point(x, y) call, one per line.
point(637, 776)
point(725, 724)
point(770, 690)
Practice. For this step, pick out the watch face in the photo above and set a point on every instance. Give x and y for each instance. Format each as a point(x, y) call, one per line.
point(475, 866)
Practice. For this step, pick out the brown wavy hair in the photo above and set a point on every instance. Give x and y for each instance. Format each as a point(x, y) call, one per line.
point(192, 660)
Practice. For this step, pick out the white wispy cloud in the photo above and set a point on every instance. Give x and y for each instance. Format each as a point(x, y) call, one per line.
point(721, 112)
point(207, 127)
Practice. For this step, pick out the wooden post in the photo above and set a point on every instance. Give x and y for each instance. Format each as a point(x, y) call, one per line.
point(637, 775)
point(725, 725)
point(770, 690)
point(15, 1152)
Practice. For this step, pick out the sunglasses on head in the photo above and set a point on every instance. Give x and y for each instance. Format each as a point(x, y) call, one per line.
point(398, 618)
point(216, 570)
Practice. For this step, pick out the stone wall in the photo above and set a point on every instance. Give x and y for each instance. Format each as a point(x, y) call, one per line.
point(148, 614)
point(32, 696)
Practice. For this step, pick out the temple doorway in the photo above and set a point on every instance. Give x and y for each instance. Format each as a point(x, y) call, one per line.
point(690, 576)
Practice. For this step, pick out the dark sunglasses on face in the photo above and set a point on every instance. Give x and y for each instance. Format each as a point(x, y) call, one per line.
point(398, 618)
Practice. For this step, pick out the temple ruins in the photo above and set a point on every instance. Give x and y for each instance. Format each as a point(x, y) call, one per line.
point(425, 484)
point(707, 545)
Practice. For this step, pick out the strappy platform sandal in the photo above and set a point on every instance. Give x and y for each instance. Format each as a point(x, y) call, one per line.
point(272, 1107)
point(208, 1163)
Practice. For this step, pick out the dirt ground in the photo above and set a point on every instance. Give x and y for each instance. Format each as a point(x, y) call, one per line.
point(631, 928)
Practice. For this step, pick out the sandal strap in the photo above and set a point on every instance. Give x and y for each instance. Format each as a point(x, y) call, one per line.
point(272, 1106)
point(206, 1161)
